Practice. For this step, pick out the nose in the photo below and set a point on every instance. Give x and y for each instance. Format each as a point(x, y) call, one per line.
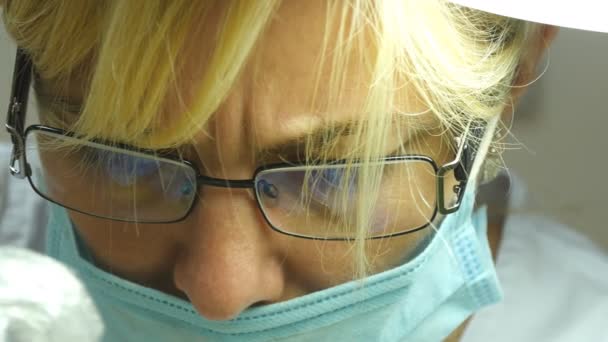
point(229, 262)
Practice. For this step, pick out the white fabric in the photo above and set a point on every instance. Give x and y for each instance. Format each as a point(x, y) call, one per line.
point(42, 301)
point(580, 14)
point(555, 283)
point(23, 214)
point(555, 280)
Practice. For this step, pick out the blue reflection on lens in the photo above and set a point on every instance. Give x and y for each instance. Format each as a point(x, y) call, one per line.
point(125, 169)
point(327, 182)
point(323, 185)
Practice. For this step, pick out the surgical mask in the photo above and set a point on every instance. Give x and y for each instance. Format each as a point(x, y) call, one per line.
point(424, 299)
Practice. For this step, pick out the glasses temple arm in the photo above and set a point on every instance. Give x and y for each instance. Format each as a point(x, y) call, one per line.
point(15, 121)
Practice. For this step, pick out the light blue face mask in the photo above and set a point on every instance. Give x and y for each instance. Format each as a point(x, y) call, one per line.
point(422, 300)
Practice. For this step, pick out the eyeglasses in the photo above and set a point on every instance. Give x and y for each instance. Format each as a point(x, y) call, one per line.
point(125, 183)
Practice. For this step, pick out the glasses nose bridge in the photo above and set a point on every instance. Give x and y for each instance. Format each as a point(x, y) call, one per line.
point(225, 183)
point(218, 183)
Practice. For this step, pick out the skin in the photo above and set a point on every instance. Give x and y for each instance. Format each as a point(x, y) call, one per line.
point(225, 242)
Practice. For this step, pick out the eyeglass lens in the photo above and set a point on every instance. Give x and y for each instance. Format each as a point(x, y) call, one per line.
point(324, 201)
point(313, 201)
point(107, 182)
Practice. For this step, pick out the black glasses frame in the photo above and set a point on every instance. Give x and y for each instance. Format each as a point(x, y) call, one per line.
point(19, 167)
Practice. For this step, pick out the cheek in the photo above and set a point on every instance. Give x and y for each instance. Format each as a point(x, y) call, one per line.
point(323, 264)
point(142, 253)
point(147, 254)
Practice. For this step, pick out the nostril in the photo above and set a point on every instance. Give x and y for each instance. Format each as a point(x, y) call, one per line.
point(260, 303)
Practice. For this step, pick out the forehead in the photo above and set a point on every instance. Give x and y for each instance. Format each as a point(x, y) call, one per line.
point(284, 90)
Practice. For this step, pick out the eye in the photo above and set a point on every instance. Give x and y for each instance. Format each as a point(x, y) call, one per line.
point(187, 188)
point(317, 190)
point(268, 189)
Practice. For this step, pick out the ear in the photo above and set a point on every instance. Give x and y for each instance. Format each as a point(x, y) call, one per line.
point(527, 70)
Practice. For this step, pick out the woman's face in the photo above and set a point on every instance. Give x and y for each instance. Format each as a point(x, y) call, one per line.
point(224, 257)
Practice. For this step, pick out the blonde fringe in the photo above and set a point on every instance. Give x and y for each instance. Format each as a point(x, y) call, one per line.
point(460, 63)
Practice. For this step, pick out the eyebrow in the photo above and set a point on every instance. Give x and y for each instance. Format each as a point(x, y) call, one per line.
point(295, 146)
point(289, 150)
point(290, 147)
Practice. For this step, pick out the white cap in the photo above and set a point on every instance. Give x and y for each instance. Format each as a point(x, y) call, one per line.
point(591, 15)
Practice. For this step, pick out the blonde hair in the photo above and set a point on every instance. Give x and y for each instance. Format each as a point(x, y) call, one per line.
point(460, 62)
